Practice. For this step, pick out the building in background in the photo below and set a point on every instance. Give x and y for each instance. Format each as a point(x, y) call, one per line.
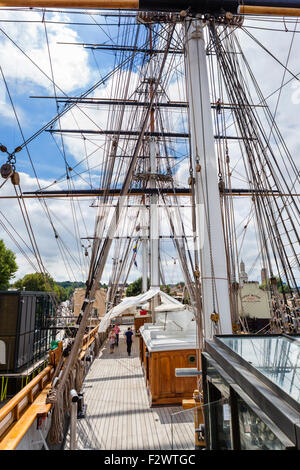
point(264, 276)
point(243, 274)
point(98, 310)
point(254, 305)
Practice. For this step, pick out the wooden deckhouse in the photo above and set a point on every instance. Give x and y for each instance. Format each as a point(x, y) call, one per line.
point(161, 352)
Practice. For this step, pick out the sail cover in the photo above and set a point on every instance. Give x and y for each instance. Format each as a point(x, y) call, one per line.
point(169, 307)
point(130, 302)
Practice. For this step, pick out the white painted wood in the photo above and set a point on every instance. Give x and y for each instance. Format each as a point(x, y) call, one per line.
point(209, 226)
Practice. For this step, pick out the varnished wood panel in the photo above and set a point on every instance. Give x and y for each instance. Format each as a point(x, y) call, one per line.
point(164, 387)
point(138, 322)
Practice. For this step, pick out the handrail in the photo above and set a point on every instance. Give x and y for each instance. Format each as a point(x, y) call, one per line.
point(39, 408)
point(19, 406)
point(88, 339)
point(88, 336)
point(12, 411)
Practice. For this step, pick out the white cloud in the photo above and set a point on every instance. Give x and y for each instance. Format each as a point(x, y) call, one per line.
point(63, 221)
point(70, 64)
point(6, 110)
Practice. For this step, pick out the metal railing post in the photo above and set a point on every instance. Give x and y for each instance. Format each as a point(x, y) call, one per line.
point(73, 419)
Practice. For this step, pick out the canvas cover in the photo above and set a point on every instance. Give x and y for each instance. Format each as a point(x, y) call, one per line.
point(131, 302)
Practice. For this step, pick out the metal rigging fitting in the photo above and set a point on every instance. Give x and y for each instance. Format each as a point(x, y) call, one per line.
point(221, 186)
point(8, 169)
point(197, 273)
point(215, 317)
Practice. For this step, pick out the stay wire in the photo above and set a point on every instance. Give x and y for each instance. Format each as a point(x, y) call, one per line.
point(271, 213)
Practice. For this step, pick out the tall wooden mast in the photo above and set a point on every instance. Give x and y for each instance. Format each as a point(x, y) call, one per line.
point(154, 229)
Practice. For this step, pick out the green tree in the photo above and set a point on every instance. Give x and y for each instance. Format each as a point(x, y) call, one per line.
point(281, 287)
point(166, 289)
point(35, 282)
point(61, 292)
point(41, 282)
point(8, 266)
point(67, 288)
point(135, 288)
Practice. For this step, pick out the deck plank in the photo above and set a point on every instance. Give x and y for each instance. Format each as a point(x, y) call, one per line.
point(118, 415)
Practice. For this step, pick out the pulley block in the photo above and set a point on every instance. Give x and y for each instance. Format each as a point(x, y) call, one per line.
point(6, 170)
point(15, 178)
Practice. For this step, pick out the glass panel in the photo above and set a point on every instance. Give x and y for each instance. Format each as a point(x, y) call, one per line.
point(217, 414)
point(254, 433)
point(217, 380)
point(278, 358)
point(183, 420)
point(218, 410)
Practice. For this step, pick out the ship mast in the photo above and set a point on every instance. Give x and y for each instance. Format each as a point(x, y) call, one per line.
point(209, 226)
point(154, 230)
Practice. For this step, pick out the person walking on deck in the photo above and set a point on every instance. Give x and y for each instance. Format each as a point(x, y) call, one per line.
point(129, 340)
point(117, 331)
point(112, 340)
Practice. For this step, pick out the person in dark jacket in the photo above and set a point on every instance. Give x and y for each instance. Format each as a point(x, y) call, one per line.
point(129, 340)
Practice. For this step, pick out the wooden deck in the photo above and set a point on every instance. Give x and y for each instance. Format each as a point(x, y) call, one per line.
point(118, 415)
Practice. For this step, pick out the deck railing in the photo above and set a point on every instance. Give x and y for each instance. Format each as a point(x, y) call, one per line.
point(12, 412)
